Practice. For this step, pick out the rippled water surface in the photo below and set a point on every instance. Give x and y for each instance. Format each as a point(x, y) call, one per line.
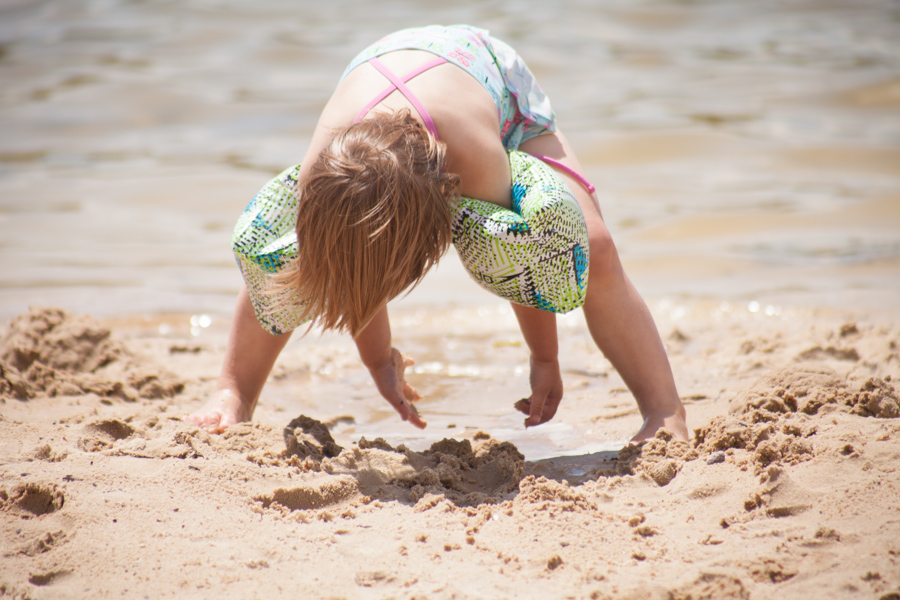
point(744, 150)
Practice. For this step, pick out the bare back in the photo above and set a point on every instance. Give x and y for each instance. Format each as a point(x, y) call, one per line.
point(463, 112)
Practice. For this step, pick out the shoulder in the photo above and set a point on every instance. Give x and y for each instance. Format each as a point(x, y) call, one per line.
point(475, 150)
point(481, 162)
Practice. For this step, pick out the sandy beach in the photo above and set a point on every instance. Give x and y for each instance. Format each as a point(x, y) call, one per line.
point(788, 488)
point(747, 162)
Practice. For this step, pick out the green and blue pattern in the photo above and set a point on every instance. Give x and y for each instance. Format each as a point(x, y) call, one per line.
point(535, 255)
point(264, 241)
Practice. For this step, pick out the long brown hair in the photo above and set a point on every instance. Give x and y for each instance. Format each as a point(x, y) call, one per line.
point(374, 217)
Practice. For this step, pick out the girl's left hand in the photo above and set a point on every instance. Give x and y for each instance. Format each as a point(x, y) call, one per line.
point(546, 393)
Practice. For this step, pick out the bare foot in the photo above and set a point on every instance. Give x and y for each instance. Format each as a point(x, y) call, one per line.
point(676, 423)
point(223, 409)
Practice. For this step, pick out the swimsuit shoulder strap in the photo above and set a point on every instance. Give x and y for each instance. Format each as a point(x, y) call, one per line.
point(399, 83)
point(578, 176)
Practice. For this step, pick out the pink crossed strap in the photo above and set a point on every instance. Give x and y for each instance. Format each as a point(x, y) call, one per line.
point(398, 83)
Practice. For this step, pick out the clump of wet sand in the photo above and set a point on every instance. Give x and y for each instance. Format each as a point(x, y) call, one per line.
point(772, 420)
point(50, 351)
point(467, 472)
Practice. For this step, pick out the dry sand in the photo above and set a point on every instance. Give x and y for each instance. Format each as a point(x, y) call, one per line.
point(788, 489)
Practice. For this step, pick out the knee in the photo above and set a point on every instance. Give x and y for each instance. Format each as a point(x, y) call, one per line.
point(604, 258)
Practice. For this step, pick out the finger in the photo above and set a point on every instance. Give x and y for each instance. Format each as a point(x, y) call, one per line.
point(410, 392)
point(400, 363)
point(536, 412)
point(550, 408)
point(415, 419)
point(409, 413)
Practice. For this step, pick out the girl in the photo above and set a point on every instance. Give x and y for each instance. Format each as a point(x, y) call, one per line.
point(377, 200)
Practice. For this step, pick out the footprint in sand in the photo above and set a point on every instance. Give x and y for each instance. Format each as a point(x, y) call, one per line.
point(100, 435)
point(29, 500)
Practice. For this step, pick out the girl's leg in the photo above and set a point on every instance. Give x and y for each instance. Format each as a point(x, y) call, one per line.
point(249, 357)
point(616, 315)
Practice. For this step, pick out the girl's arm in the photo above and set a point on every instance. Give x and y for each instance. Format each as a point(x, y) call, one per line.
point(539, 329)
point(386, 365)
point(249, 357)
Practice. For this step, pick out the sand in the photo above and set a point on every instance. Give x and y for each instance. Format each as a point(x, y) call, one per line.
point(788, 488)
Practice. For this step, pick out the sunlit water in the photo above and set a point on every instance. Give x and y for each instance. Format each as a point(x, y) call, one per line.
point(744, 152)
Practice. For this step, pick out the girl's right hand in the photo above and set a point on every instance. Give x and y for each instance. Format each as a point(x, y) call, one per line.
point(223, 409)
point(391, 383)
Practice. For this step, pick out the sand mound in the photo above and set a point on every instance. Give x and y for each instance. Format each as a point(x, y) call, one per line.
point(778, 495)
point(876, 398)
point(100, 435)
point(772, 418)
point(800, 388)
point(318, 493)
point(306, 437)
point(782, 441)
point(659, 458)
point(58, 340)
point(461, 471)
point(542, 494)
point(466, 473)
point(808, 387)
point(46, 453)
point(49, 351)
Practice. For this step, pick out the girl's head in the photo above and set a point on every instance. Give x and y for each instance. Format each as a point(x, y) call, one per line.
point(374, 217)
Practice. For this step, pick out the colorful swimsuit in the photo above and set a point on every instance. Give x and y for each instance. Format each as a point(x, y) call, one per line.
point(523, 109)
point(535, 255)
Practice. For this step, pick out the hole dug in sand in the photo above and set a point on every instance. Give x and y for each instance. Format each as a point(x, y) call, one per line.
point(460, 471)
point(48, 578)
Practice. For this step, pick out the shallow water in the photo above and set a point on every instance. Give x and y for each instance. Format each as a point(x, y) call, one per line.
point(745, 152)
